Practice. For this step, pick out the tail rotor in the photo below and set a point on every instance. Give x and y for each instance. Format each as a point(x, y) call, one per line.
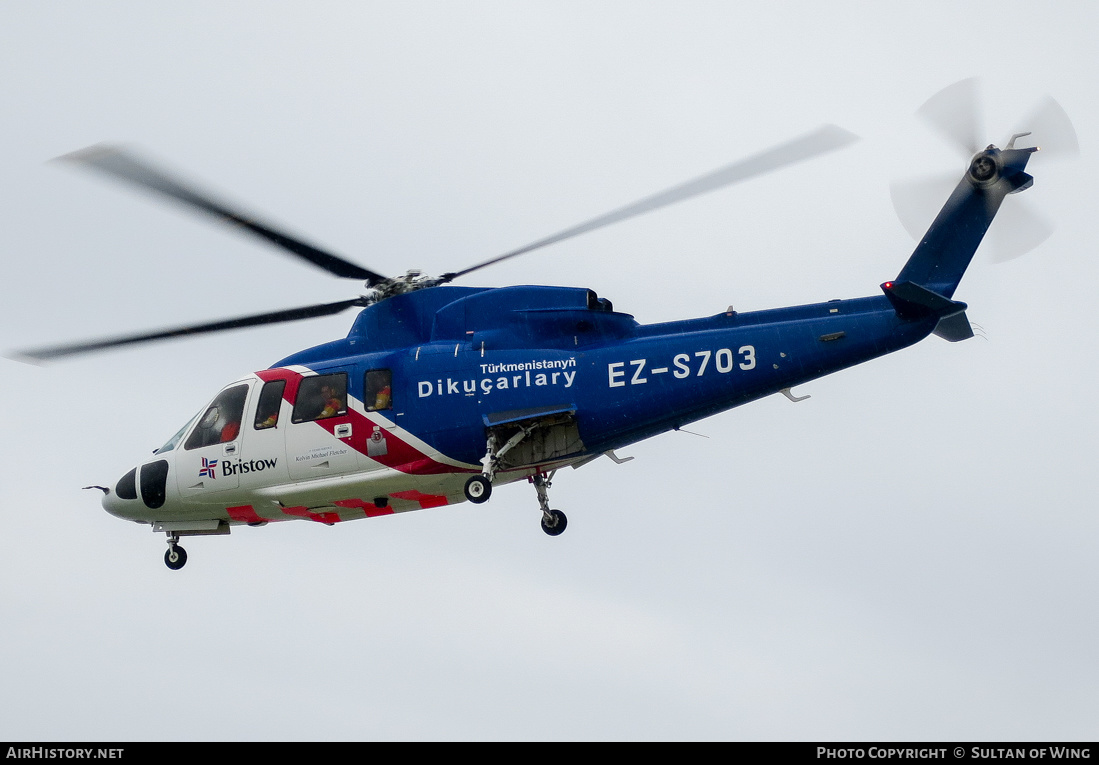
point(956, 113)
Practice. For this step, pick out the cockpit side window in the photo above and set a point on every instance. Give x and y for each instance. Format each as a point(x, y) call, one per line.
point(270, 401)
point(321, 397)
point(378, 390)
point(220, 423)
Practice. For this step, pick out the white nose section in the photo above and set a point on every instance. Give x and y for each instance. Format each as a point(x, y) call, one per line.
point(123, 501)
point(116, 505)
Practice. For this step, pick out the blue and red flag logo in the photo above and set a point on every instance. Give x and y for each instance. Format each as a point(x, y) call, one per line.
point(208, 468)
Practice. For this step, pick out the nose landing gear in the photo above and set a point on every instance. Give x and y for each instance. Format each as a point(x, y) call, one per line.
point(175, 557)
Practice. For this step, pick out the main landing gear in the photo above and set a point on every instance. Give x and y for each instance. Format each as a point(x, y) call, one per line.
point(478, 488)
point(553, 521)
point(175, 557)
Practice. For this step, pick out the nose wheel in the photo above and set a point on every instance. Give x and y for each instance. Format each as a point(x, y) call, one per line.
point(175, 557)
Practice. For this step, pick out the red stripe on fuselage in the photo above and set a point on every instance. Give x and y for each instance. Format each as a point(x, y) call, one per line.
point(400, 455)
point(245, 513)
point(305, 512)
point(248, 514)
point(293, 380)
point(425, 500)
point(371, 510)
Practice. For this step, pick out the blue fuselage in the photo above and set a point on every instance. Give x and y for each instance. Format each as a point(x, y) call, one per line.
point(491, 355)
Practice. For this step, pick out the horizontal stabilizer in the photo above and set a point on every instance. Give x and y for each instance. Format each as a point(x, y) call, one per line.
point(912, 301)
point(915, 302)
point(954, 328)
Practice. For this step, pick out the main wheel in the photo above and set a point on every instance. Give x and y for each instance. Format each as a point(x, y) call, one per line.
point(175, 557)
point(555, 524)
point(478, 489)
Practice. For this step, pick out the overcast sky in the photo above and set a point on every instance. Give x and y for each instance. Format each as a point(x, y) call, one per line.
point(909, 554)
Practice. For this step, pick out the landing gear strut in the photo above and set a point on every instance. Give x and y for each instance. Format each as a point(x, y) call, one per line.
point(479, 487)
point(175, 557)
point(553, 521)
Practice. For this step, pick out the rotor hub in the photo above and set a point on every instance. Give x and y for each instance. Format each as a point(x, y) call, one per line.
point(399, 285)
point(985, 168)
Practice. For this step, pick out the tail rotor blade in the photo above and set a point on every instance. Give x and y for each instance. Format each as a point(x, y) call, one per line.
point(1016, 232)
point(1051, 130)
point(955, 112)
point(918, 201)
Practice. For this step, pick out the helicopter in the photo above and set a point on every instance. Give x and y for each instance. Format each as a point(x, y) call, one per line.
point(440, 392)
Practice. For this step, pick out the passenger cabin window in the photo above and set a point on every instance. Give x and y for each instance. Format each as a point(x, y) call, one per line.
point(270, 401)
point(221, 421)
point(321, 397)
point(378, 390)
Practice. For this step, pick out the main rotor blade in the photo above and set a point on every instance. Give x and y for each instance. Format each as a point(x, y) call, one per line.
point(126, 167)
point(825, 139)
point(275, 317)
